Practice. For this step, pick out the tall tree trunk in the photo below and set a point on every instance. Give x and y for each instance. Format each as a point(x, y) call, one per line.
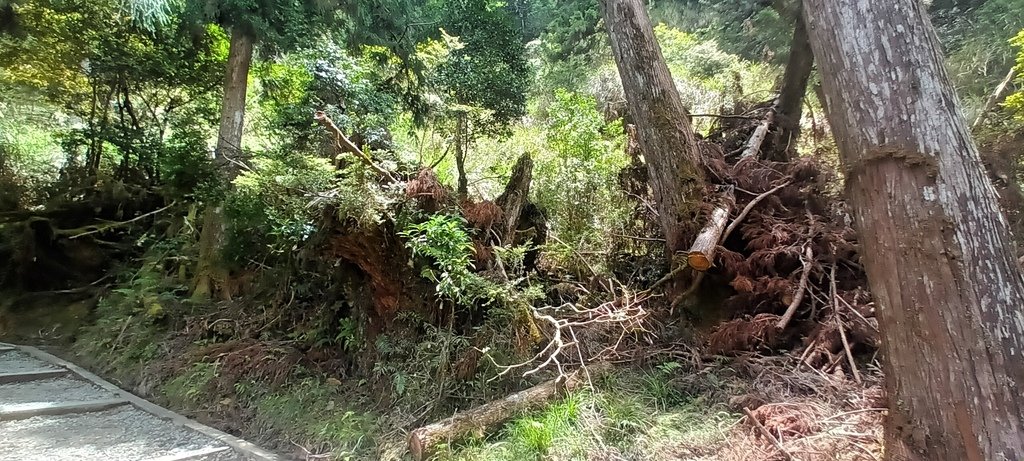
point(791, 98)
point(229, 143)
point(936, 247)
point(662, 123)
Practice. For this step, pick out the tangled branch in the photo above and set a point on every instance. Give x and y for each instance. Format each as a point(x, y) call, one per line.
point(625, 311)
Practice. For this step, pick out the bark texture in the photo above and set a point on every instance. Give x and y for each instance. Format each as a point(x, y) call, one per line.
point(232, 109)
point(789, 108)
point(662, 123)
point(936, 246)
point(229, 142)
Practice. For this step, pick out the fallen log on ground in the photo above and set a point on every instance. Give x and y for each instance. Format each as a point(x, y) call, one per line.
point(701, 255)
point(753, 148)
point(424, 440)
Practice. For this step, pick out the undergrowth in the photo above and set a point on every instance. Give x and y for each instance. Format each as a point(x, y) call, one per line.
point(316, 414)
point(630, 414)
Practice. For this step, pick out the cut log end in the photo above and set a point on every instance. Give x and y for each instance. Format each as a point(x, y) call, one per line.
point(698, 261)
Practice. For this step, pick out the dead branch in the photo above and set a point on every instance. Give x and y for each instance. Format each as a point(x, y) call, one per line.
point(343, 143)
point(76, 233)
point(791, 310)
point(626, 311)
point(994, 98)
point(750, 206)
point(689, 292)
point(842, 330)
point(764, 431)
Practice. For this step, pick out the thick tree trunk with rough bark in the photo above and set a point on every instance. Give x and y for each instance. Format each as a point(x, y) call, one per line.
point(662, 123)
point(229, 143)
point(789, 108)
point(936, 248)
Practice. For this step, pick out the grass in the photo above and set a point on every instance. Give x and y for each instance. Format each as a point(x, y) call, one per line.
point(631, 414)
point(312, 413)
point(190, 389)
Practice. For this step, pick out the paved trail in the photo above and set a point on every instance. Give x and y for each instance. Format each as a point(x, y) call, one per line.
point(52, 410)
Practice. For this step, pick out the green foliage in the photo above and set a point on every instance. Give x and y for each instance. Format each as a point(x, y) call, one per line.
point(576, 181)
point(755, 31)
point(191, 388)
point(311, 411)
point(620, 418)
point(443, 239)
point(130, 320)
point(120, 91)
point(488, 69)
point(353, 91)
point(1015, 102)
point(29, 156)
point(974, 36)
point(571, 43)
point(270, 210)
point(419, 369)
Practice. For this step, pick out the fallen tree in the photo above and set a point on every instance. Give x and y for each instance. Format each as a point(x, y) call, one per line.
point(481, 419)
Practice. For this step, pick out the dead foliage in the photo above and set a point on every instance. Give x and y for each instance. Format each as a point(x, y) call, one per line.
point(745, 334)
point(763, 261)
point(269, 362)
point(427, 190)
point(481, 215)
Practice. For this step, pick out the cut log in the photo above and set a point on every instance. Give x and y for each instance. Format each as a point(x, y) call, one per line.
point(754, 143)
point(424, 440)
point(702, 253)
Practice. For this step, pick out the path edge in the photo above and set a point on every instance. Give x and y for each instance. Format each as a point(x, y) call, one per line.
point(244, 448)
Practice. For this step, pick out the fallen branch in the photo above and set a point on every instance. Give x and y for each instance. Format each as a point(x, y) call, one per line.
point(750, 206)
point(486, 417)
point(791, 310)
point(764, 431)
point(842, 331)
point(994, 98)
point(342, 142)
point(626, 311)
point(668, 277)
point(686, 294)
point(702, 253)
point(97, 229)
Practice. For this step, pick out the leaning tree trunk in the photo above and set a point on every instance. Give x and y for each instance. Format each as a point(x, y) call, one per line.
point(662, 123)
point(229, 144)
point(937, 249)
point(461, 143)
point(789, 108)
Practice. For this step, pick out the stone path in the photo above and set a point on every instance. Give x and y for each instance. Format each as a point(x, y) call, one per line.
point(53, 410)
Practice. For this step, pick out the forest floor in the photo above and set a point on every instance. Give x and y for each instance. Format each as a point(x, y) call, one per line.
point(679, 404)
